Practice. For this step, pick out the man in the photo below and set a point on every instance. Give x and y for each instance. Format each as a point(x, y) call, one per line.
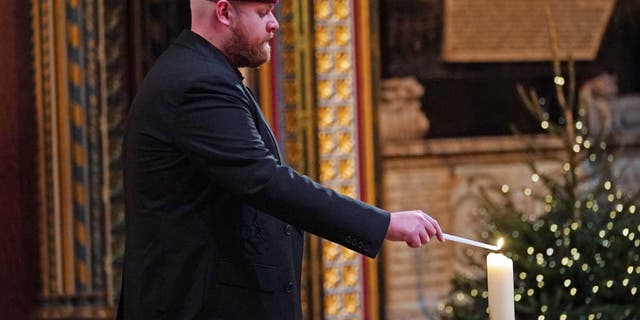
point(214, 218)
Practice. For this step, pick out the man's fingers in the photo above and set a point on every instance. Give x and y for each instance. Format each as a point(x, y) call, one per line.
point(430, 229)
point(414, 241)
point(440, 235)
point(424, 237)
point(414, 227)
point(413, 244)
point(437, 231)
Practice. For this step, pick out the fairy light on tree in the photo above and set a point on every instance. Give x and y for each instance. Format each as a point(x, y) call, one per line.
point(580, 259)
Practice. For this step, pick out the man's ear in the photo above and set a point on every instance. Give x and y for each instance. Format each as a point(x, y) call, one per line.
point(224, 12)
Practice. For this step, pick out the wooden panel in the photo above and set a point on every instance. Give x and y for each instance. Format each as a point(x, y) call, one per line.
point(519, 30)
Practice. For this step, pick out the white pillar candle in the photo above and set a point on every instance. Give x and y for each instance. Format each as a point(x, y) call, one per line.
point(500, 284)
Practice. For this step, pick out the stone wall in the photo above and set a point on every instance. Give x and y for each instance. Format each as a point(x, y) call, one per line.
point(442, 177)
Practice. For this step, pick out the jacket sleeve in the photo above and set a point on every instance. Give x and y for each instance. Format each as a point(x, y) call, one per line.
point(215, 127)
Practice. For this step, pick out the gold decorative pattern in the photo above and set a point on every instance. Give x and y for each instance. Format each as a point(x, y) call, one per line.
point(342, 35)
point(325, 89)
point(333, 303)
point(342, 9)
point(289, 87)
point(332, 277)
point(323, 36)
point(291, 76)
point(327, 142)
point(345, 115)
point(326, 117)
point(291, 122)
point(322, 10)
point(316, 72)
point(344, 89)
point(337, 141)
point(324, 62)
point(346, 169)
point(117, 84)
point(69, 71)
point(347, 190)
point(331, 252)
point(327, 170)
point(351, 302)
point(343, 62)
point(350, 275)
point(287, 35)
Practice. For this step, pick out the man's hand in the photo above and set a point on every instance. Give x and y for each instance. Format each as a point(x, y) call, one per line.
point(413, 227)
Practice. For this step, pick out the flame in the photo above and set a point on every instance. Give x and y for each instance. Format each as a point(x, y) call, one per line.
point(500, 243)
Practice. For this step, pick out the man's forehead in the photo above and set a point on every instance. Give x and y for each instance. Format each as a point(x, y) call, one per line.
point(261, 1)
point(256, 5)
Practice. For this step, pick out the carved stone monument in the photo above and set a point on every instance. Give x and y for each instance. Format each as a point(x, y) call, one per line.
point(615, 117)
point(400, 115)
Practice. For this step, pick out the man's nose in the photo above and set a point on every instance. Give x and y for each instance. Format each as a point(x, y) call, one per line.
point(273, 25)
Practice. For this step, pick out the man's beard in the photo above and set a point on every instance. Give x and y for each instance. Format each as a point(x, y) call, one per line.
point(241, 53)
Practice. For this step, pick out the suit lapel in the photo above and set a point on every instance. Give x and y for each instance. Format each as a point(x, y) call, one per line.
point(264, 123)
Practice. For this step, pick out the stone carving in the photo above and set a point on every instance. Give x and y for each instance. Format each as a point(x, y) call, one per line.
point(400, 117)
point(616, 118)
point(626, 118)
point(596, 97)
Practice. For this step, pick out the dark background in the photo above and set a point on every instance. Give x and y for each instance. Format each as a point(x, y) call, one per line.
point(18, 177)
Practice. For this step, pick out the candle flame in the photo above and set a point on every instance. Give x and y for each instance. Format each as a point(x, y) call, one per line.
point(500, 243)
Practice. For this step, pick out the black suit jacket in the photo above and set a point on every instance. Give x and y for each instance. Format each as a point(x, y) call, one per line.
point(213, 217)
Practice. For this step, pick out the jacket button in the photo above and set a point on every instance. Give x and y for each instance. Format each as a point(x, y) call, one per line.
point(348, 240)
point(288, 229)
point(289, 287)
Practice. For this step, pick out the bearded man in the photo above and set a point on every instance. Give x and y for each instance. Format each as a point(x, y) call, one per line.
point(214, 217)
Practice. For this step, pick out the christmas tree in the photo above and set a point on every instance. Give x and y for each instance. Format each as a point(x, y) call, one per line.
point(580, 257)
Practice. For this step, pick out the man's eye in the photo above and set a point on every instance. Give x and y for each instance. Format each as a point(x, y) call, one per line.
point(262, 14)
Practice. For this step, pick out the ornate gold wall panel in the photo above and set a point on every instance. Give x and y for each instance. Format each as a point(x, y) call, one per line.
point(342, 54)
point(286, 96)
point(83, 65)
point(76, 153)
point(117, 94)
point(322, 77)
point(337, 146)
